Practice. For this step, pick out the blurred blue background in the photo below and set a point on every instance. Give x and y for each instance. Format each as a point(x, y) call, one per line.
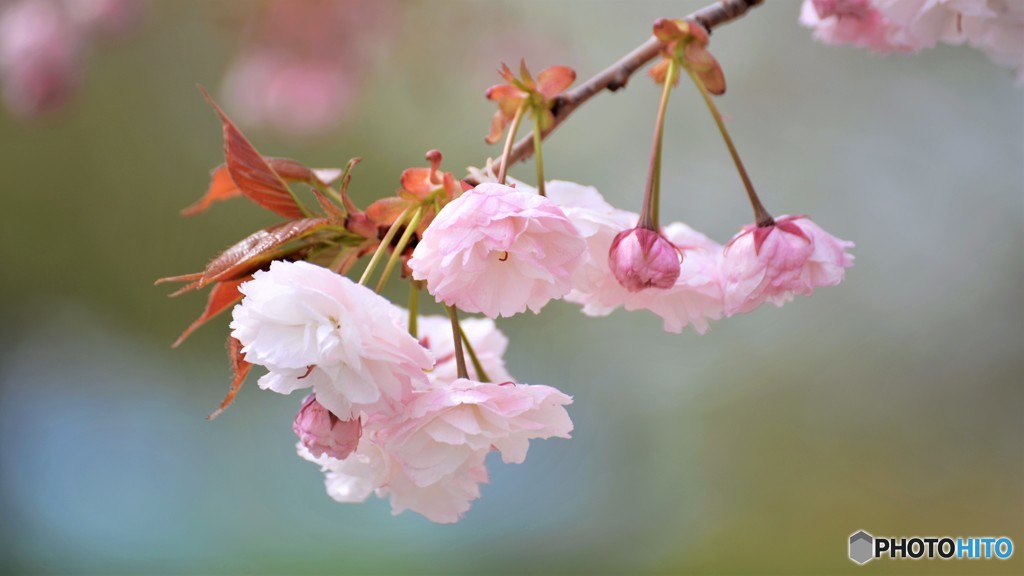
point(892, 403)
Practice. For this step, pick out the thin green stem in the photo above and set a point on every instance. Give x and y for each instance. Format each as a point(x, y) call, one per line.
point(383, 246)
point(460, 357)
point(481, 376)
point(507, 151)
point(537, 155)
point(652, 193)
point(761, 215)
point(414, 309)
point(396, 254)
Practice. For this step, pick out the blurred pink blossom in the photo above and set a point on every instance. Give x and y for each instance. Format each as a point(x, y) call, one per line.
point(301, 70)
point(40, 56)
point(43, 44)
point(498, 251)
point(853, 22)
point(995, 27)
point(772, 263)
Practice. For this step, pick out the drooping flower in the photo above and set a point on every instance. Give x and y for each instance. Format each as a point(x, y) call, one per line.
point(321, 432)
point(372, 470)
point(430, 458)
point(772, 263)
point(313, 328)
point(444, 427)
point(694, 298)
point(489, 343)
point(498, 251)
point(641, 258)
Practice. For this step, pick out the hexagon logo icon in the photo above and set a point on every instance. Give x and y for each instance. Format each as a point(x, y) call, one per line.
point(861, 547)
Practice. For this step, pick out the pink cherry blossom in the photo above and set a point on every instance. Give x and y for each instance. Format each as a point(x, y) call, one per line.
point(772, 263)
point(854, 22)
point(443, 501)
point(489, 343)
point(372, 470)
point(443, 428)
point(313, 328)
point(641, 259)
point(994, 26)
point(693, 299)
point(320, 431)
point(498, 251)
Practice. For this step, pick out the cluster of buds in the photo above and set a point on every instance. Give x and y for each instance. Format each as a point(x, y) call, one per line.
point(407, 406)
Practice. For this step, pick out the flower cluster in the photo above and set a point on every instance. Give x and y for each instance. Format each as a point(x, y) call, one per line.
point(407, 406)
point(760, 264)
point(389, 413)
point(992, 26)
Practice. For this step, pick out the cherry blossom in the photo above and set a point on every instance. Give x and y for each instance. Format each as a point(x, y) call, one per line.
point(772, 263)
point(313, 328)
point(498, 251)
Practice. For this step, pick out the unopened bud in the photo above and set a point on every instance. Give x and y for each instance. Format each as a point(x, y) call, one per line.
point(324, 433)
point(641, 258)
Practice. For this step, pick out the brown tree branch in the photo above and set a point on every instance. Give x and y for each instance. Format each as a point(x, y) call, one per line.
point(617, 75)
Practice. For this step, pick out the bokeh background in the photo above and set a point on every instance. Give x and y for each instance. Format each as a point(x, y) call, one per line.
point(892, 403)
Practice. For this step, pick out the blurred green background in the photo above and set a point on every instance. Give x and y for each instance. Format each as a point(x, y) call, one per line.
point(892, 403)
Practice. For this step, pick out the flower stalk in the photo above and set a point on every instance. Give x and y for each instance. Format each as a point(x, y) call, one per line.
point(538, 134)
point(481, 376)
point(396, 254)
point(414, 309)
point(761, 215)
point(512, 129)
point(460, 357)
point(650, 209)
point(383, 246)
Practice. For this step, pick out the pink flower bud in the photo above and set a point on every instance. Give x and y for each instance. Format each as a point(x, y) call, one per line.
point(641, 258)
point(321, 432)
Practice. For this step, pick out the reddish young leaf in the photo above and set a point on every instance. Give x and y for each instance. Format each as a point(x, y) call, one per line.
point(251, 254)
point(706, 67)
point(223, 295)
point(251, 173)
point(383, 212)
point(222, 187)
point(239, 370)
point(552, 81)
point(667, 30)
point(331, 210)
